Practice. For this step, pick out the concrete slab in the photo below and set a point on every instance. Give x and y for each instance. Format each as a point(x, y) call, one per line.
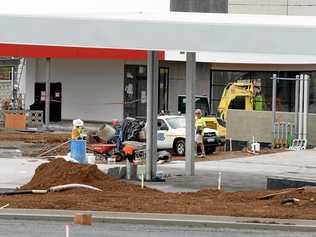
point(115, 170)
point(230, 182)
point(13, 153)
point(281, 182)
point(303, 162)
point(17, 171)
point(242, 174)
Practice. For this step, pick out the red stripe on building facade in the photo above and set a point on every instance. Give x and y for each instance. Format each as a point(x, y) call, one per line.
point(42, 51)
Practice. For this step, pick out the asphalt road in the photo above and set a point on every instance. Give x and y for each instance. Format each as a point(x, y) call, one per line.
point(14, 228)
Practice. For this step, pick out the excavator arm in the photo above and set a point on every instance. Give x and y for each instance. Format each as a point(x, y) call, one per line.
point(233, 91)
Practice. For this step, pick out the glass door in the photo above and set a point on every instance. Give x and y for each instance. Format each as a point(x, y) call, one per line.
point(135, 90)
point(163, 93)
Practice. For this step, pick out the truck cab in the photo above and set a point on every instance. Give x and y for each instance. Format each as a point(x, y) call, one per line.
point(211, 122)
point(171, 135)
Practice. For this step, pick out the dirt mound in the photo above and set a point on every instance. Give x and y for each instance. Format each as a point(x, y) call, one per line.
point(125, 197)
point(59, 171)
point(34, 137)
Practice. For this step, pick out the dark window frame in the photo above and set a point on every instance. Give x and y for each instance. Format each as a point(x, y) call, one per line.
point(143, 76)
point(288, 86)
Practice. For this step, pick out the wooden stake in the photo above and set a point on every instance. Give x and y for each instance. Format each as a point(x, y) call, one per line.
point(67, 230)
point(142, 177)
point(83, 219)
point(54, 148)
point(6, 205)
point(219, 181)
point(269, 196)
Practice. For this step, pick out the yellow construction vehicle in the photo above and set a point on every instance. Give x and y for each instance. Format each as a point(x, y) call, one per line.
point(236, 95)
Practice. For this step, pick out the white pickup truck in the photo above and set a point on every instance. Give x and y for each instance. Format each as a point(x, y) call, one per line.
point(171, 135)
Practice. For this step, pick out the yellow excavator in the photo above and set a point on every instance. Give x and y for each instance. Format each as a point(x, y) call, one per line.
point(236, 95)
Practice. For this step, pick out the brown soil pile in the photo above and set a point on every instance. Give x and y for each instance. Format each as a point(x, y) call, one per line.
point(60, 172)
point(124, 197)
point(34, 137)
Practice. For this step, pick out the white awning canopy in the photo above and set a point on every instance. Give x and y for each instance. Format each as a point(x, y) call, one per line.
point(283, 39)
point(243, 58)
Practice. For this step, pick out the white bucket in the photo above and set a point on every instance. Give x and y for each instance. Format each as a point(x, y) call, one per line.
point(90, 158)
point(255, 147)
point(111, 160)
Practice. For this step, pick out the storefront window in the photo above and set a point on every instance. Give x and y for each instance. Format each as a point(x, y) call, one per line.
point(163, 94)
point(135, 90)
point(312, 93)
point(285, 89)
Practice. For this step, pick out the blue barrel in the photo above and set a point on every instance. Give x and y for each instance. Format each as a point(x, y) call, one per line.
point(78, 150)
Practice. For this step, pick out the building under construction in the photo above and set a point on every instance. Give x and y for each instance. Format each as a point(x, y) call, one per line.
point(103, 84)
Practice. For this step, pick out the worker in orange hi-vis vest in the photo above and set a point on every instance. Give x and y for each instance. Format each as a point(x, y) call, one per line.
point(129, 152)
point(75, 133)
point(77, 129)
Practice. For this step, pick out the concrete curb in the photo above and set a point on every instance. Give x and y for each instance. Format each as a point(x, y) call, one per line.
point(164, 219)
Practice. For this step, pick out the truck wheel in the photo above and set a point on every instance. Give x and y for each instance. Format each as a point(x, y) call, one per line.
point(179, 148)
point(210, 150)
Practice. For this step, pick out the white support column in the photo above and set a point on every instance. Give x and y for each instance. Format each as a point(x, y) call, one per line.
point(15, 87)
point(274, 91)
point(306, 104)
point(300, 117)
point(297, 92)
point(189, 115)
point(152, 113)
point(47, 93)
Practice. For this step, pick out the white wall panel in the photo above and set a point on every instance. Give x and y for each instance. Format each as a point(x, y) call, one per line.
point(177, 82)
point(91, 89)
point(273, 7)
point(302, 10)
point(258, 9)
point(29, 80)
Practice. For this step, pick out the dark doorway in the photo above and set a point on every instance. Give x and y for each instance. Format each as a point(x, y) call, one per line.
point(55, 100)
point(135, 90)
point(163, 94)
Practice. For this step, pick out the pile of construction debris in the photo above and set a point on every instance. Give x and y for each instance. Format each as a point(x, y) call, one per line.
point(117, 195)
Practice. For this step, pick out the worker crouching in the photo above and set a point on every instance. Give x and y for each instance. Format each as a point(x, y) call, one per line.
point(129, 153)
